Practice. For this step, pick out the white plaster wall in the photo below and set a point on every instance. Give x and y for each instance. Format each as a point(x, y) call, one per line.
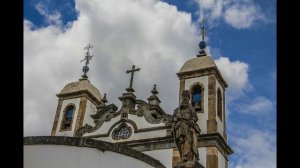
point(90, 109)
point(65, 103)
point(142, 123)
point(148, 134)
point(202, 156)
point(165, 156)
point(221, 160)
point(202, 117)
point(220, 123)
point(59, 156)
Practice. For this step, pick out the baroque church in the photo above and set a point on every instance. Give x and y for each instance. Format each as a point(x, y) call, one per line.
point(139, 134)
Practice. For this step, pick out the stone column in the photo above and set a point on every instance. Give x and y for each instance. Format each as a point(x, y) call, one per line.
point(81, 113)
point(211, 157)
point(176, 157)
point(224, 117)
point(211, 122)
point(55, 123)
point(181, 88)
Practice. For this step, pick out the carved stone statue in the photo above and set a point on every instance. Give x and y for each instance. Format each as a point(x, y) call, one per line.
point(185, 130)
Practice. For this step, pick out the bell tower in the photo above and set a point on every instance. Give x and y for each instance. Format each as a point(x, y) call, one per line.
point(76, 102)
point(206, 86)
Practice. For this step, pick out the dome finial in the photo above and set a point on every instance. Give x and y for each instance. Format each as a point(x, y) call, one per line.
point(87, 59)
point(202, 43)
point(154, 91)
point(104, 100)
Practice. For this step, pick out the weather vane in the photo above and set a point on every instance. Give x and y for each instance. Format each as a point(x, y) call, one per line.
point(87, 59)
point(202, 43)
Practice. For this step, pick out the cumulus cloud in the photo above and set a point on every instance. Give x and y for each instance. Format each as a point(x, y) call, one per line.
point(239, 14)
point(259, 105)
point(53, 17)
point(242, 16)
point(149, 34)
point(236, 75)
point(253, 148)
point(213, 7)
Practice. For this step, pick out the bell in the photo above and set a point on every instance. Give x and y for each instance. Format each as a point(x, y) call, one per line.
point(197, 106)
point(67, 123)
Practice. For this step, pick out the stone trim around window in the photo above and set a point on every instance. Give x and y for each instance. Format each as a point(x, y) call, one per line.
point(202, 95)
point(63, 116)
point(123, 131)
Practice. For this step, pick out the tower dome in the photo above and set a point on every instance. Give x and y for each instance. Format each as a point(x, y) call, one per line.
point(83, 85)
point(199, 66)
point(197, 63)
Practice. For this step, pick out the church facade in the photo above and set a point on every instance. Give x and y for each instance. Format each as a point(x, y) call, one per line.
point(141, 128)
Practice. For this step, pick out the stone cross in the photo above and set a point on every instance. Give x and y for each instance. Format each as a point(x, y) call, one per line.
point(131, 79)
point(88, 57)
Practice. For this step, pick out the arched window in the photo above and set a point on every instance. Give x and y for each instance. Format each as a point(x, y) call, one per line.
point(219, 104)
point(67, 118)
point(197, 97)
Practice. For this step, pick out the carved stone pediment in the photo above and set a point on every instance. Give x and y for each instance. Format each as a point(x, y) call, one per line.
point(103, 110)
point(104, 113)
point(152, 113)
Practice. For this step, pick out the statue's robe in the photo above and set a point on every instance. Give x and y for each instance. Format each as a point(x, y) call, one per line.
point(185, 130)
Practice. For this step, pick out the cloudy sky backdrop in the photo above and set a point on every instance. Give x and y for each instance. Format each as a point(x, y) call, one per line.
point(158, 37)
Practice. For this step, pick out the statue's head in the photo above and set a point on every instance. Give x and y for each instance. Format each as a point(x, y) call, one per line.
point(185, 97)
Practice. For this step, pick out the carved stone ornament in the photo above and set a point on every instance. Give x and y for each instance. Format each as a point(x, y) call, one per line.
point(104, 113)
point(152, 113)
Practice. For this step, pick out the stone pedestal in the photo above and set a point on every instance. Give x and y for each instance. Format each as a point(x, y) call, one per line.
point(188, 164)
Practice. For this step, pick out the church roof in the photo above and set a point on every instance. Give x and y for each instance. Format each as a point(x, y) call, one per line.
point(197, 63)
point(81, 85)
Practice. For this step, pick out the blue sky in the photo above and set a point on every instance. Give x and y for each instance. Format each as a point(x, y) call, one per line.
point(244, 32)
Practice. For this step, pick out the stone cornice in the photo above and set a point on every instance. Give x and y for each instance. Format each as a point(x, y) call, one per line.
point(135, 129)
point(91, 143)
point(80, 93)
point(167, 142)
point(215, 139)
point(203, 72)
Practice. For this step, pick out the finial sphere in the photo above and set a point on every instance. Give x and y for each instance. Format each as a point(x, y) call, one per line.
point(85, 69)
point(202, 44)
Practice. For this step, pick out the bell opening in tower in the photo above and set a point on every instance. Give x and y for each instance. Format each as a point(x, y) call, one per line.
point(197, 97)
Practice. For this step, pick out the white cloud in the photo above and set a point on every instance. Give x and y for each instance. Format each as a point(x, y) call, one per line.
point(259, 105)
point(253, 148)
point(239, 14)
point(242, 16)
point(214, 7)
point(235, 74)
point(153, 35)
point(51, 18)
